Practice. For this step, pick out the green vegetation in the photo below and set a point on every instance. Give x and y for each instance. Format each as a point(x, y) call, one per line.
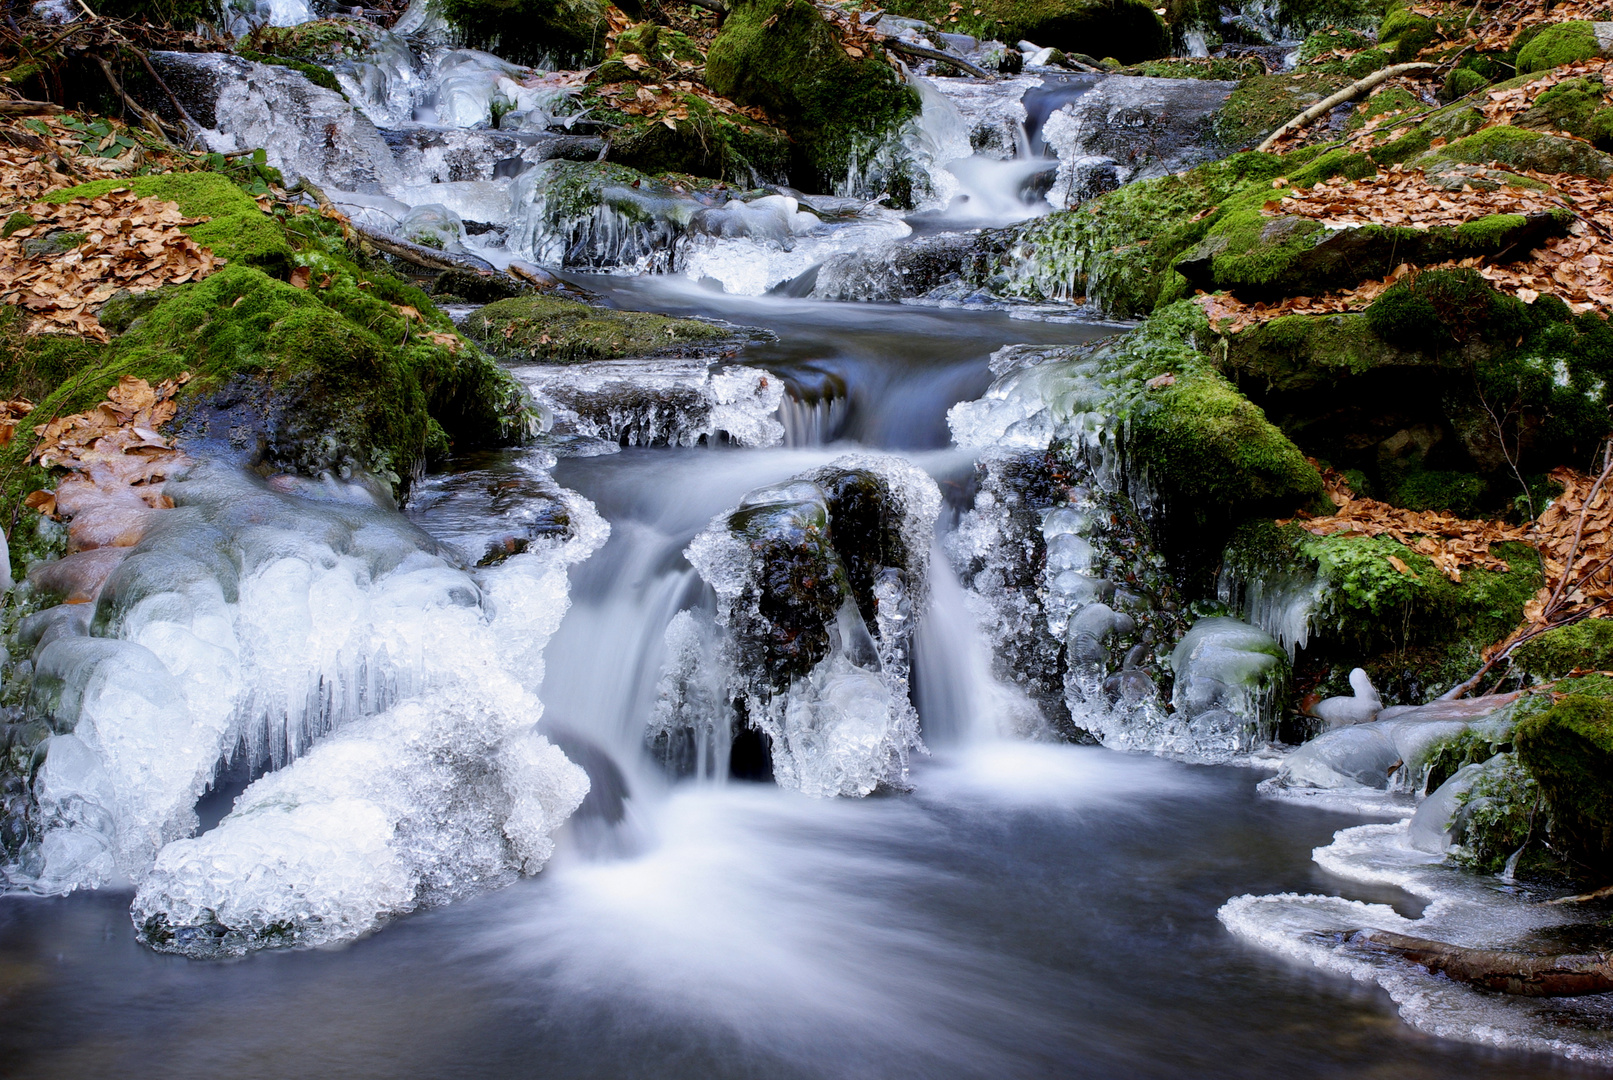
point(1558, 44)
point(566, 331)
point(782, 57)
point(1585, 645)
point(1568, 751)
point(180, 14)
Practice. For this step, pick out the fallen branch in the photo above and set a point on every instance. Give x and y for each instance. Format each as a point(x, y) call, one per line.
point(919, 52)
point(1355, 89)
point(1525, 974)
point(1595, 894)
point(147, 119)
point(419, 254)
point(30, 108)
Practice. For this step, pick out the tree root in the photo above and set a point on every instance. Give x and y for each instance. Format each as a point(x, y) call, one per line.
point(1523, 974)
point(1355, 89)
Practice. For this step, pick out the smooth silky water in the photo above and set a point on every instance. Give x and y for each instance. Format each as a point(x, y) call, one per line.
point(1029, 909)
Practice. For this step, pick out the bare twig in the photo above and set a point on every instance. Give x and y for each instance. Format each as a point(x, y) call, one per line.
point(903, 48)
point(1355, 89)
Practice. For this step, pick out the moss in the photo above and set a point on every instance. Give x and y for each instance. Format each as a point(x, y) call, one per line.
point(1207, 442)
point(1462, 82)
point(782, 57)
point(1568, 751)
point(1557, 44)
point(565, 331)
point(1119, 250)
point(1498, 816)
point(1383, 103)
point(1441, 308)
point(1585, 645)
point(1182, 67)
point(1406, 33)
point(1127, 30)
point(1258, 106)
point(319, 76)
point(564, 33)
point(18, 220)
point(236, 228)
point(1577, 106)
point(1523, 149)
point(708, 143)
point(319, 40)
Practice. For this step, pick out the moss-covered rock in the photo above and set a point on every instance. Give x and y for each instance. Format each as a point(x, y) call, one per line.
point(357, 371)
point(1577, 106)
point(1262, 104)
point(1460, 83)
point(1406, 33)
point(1585, 645)
point(1521, 148)
point(180, 14)
point(552, 330)
point(563, 33)
point(1568, 751)
point(1259, 256)
point(236, 228)
point(1563, 43)
point(783, 58)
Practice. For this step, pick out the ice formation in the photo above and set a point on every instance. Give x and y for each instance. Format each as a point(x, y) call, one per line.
point(818, 580)
point(658, 402)
point(308, 630)
point(1462, 909)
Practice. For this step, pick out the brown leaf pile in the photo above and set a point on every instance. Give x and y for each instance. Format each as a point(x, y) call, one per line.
point(1503, 106)
point(1449, 542)
point(1406, 197)
point(43, 155)
point(1587, 584)
point(131, 243)
point(117, 442)
point(664, 101)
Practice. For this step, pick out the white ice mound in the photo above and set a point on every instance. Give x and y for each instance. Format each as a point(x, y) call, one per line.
point(426, 802)
point(255, 625)
point(818, 580)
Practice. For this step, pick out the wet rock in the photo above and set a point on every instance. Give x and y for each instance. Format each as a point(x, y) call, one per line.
point(1568, 751)
point(553, 330)
point(471, 287)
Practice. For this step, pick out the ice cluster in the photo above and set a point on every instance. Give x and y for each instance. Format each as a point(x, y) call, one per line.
point(307, 634)
point(818, 581)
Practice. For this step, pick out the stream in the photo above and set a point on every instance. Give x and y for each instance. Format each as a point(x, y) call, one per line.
point(351, 691)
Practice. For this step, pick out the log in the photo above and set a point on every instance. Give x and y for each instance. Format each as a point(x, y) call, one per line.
point(1524, 974)
point(30, 108)
point(1355, 89)
point(419, 254)
point(919, 52)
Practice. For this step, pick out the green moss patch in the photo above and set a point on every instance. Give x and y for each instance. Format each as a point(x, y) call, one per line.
point(235, 230)
point(1558, 44)
point(783, 58)
point(1568, 751)
point(1522, 149)
point(1585, 645)
point(565, 331)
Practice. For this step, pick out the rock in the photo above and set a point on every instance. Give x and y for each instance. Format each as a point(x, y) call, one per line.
point(552, 330)
point(838, 109)
point(1359, 708)
point(1563, 43)
point(1568, 751)
point(471, 287)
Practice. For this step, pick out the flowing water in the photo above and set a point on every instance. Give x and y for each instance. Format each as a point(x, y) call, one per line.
point(1030, 909)
point(1016, 907)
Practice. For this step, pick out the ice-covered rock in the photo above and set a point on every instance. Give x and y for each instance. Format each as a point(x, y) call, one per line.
point(658, 402)
point(817, 582)
point(307, 631)
point(1433, 826)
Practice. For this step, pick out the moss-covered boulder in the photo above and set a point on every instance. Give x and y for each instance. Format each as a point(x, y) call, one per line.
point(1405, 33)
point(1260, 256)
point(551, 330)
point(1563, 43)
point(1521, 148)
point(1568, 751)
point(783, 57)
point(1585, 646)
point(353, 370)
point(1577, 106)
point(1260, 105)
point(560, 33)
point(235, 229)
